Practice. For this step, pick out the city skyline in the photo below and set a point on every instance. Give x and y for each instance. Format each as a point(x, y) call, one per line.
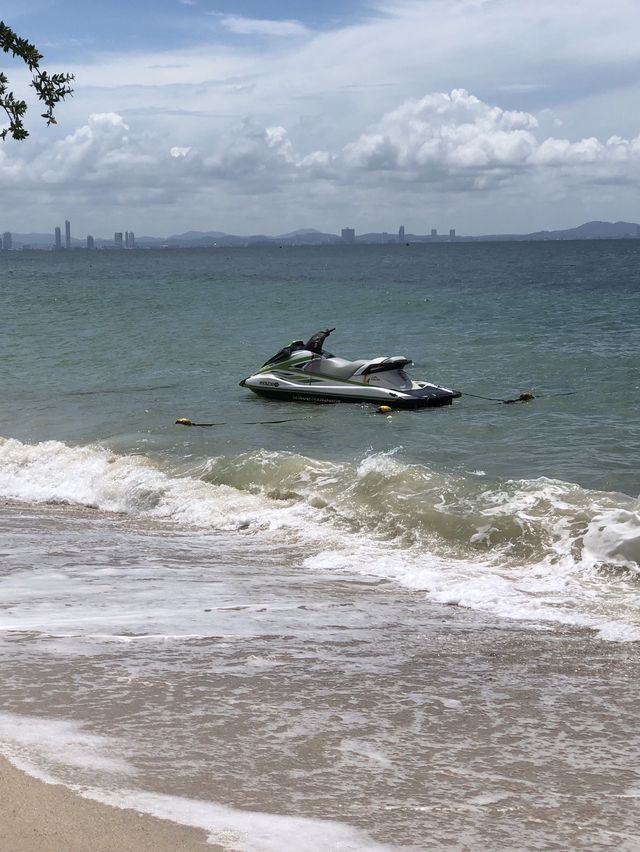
point(121, 239)
point(483, 116)
point(127, 240)
point(306, 236)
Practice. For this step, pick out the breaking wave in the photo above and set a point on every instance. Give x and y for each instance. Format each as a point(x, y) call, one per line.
point(543, 549)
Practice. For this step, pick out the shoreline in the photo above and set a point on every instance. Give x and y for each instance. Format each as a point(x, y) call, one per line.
point(42, 817)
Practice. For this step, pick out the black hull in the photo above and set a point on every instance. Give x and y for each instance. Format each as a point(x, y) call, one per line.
point(326, 399)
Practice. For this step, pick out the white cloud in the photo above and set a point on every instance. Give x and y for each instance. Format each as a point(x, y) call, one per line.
point(615, 152)
point(256, 158)
point(100, 150)
point(454, 131)
point(255, 26)
point(449, 138)
point(516, 54)
point(450, 141)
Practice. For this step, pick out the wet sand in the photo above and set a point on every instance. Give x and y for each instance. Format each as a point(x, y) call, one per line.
point(296, 694)
point(39, 817)
point(466, 736)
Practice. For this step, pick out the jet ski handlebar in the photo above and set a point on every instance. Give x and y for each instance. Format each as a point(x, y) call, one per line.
point(315, 342)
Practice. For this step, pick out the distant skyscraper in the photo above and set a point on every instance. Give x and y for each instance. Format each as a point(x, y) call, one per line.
point(67, 234)
point(132, 239)
point(58, 239)
point(434, 232)
point(117, 238)
point(90, 242)
point(7, 243)
point(348, 235)
point(452, 233)
point(401, 234)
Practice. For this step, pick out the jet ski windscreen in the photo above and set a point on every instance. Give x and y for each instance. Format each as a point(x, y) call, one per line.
point(285, 352)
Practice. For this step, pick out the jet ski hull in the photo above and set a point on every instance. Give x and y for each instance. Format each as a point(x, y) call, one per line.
point(279, 387)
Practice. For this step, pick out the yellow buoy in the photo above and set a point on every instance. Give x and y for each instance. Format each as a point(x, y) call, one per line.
point(384, 409)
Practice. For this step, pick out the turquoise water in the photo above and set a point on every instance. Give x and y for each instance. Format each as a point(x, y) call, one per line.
point(114, 347)
point(373, 630)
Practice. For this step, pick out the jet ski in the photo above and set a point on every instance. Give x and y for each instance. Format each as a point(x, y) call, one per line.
point(305, 372)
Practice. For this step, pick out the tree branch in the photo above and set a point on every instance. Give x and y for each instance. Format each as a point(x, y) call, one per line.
point(50, 88)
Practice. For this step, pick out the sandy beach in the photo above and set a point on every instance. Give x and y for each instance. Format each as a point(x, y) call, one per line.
point(39, 817)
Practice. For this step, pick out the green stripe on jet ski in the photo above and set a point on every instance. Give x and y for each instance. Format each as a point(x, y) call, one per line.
point(313, 378)
point(291, 362)
point(316, 378)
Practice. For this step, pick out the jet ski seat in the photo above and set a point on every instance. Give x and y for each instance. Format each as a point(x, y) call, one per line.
point(338, 368)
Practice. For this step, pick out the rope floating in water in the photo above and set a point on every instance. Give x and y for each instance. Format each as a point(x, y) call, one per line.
point(524, 397)
point(184, 421)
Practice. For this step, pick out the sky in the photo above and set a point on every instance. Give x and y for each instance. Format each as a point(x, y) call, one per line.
point(488, 116)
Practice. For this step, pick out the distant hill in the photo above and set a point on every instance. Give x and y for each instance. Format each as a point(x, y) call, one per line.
point(189, 236)
point(38, 240)
point(306, 237)
point(590, 231)
point(299, 232)
point(194, 239)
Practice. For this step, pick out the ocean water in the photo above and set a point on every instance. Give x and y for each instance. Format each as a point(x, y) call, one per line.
point(318, 627)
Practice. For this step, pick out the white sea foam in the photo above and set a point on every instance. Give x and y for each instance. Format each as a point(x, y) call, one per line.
point(614, 538)
point(554, 596)
point(245, 831)
point(556, 581)
point(93, 476)
point(47, 748)
point(541, 550)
